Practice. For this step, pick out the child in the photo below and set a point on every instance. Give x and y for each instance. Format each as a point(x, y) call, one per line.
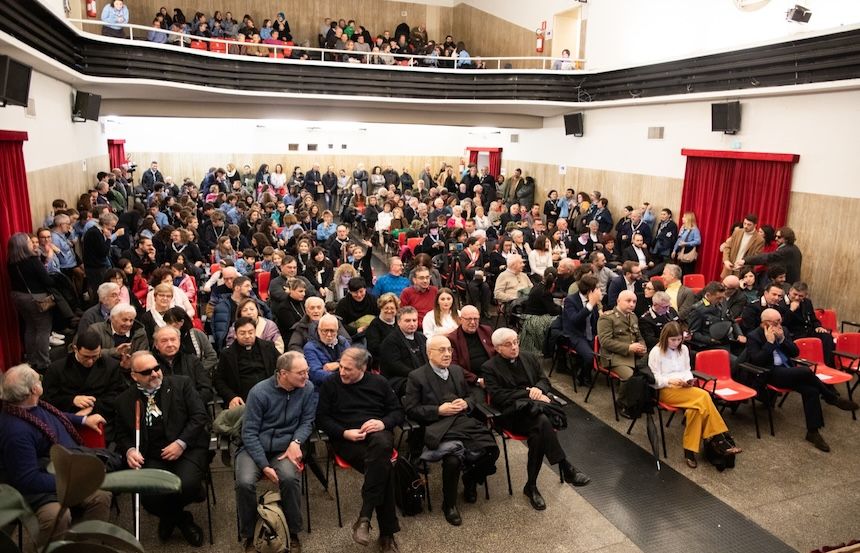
point(360, 261)
point(268, 262)
point(246, 264)
point(277, 260)
point(224, 250)
point(212, 196)
point(184, 282)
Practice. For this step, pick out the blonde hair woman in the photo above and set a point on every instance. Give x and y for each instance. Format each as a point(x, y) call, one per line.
point(689, 238)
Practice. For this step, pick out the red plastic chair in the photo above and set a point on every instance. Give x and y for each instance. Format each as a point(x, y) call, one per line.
point(694, 282)
point(214, 268)
point(339, 463)
point(288, 52)
point(715, 363)
point(218, 47)
point(656, 278)
point(611, 376)
point(198, 45)
point(263, 280)
point(92, 438)
point(413, 243)
point(828, 320)
point(846, 356)
point(258, 265)
point(276, 55)
point(812, 351)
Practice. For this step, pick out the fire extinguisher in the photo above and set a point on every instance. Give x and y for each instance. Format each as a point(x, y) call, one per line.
point(91, 8)
point(539, 40)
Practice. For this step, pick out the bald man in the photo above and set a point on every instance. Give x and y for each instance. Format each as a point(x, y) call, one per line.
point(620, 338)
point(437, 397)
point(735, 299)
point(770, 347)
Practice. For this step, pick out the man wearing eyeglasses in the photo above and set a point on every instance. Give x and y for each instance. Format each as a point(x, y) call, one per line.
point(173, 437)
point(473, 346)
point(438, 398)
point(279, 416)
point(324, 348)
point(786, 254)
point(517, 386)
point(359, 412)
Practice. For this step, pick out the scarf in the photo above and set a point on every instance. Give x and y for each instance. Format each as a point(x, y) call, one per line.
point(27, 416)
point(152, 409)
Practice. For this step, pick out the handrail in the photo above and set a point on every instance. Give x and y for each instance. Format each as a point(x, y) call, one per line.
point(411, 58)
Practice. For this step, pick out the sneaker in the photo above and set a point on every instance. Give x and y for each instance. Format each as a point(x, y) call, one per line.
point(58, 336)
point(56, 342)
point(817, 440)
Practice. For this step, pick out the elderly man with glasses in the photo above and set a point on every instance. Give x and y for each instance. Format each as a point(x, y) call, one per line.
point(518, 387)
point(279, 416)
point(173, 437)
point(473, 346)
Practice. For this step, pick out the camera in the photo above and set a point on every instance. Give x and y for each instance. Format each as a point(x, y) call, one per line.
point(132, 167)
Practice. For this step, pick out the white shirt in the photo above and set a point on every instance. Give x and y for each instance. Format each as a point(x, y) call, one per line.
point(640, 253)
point(674, 364)
point(430, 328)
point(539, 262)
point(745, 243)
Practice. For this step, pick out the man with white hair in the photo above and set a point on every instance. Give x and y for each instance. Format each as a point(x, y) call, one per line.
point(28, 429)
point(438, 398)
point(519, 389)
point(314, 310)
point(121, 335)
point(512, 280)
point(109, 296)
point(682, 297)
point(324, 348)
point(167, 349)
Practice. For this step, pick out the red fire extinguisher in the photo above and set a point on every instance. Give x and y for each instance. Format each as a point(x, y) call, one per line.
point(91, 8)
point(539, 40)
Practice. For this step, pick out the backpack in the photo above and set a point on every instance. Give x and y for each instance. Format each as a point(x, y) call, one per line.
point(410, 488)
point(271, 534)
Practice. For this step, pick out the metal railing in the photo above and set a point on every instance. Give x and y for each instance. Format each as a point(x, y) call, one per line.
point(284, 53)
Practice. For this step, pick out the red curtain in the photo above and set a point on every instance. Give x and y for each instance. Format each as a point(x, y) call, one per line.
point(14, 217)
point(473, 157)
point(722, 187)
point(495, 162)
point(116, 153)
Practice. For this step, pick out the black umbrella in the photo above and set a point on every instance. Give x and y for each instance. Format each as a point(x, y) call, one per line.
point(653, 437)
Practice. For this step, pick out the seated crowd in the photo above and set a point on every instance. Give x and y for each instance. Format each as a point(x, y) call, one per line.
point(244, 293)
point(346, 40)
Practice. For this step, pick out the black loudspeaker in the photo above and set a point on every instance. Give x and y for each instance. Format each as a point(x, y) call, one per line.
point(726, 117)
point(573, 124)
point(14, 82)
point(87, 106)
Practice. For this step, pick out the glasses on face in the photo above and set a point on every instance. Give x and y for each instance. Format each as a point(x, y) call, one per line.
point(511, 344)
point(328, 330)
point(148, 372)
point(470, 319)
point(443, 350)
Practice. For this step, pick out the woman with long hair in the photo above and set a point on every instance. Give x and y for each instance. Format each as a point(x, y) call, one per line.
point(689, 238)
point(265, 329)
point(31, 285)
point(669, 361)
point(445, 317)
point(540, 257)
point(278, 179)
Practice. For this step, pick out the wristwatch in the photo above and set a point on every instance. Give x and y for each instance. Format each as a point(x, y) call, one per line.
point(297, 442)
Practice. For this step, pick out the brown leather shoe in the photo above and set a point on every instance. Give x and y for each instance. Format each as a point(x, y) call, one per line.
point(361, 531)
point(388, 545)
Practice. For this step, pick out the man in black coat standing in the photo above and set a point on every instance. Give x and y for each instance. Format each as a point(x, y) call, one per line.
point(517, 387)
point(173, 437)
point(437, 397)
point(786, 254)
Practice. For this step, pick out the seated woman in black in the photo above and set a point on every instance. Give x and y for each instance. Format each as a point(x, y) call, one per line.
point(540, 299)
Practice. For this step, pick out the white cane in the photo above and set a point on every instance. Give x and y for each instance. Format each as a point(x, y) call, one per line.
point(137, 448)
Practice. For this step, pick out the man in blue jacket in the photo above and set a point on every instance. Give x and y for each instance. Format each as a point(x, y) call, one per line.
point(324, 348)
point(279, 415)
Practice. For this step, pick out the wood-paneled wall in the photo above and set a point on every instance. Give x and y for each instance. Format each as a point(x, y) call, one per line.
point(487, 35)
point(66, 181)
point(306, 16)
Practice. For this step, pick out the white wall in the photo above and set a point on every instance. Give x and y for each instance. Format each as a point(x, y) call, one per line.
point(53, 138)
point(525, 14)
point(632, 32)
point(824, 129)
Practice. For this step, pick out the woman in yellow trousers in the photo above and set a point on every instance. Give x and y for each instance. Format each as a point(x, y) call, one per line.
point(670, 363)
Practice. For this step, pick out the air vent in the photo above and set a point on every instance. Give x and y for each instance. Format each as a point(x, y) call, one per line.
point(655, 133)
point(293, 147)
point(312, 147)
point(515, 138)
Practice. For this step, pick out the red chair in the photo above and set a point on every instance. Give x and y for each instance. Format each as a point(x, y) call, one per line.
point(339, 463)
point(92, 438)
point(401, 240)
point(847, 359)
point(694, 282)
point(263, 280)
point(214, 268)
point(276, 55)
point(198, 45)
point(611, 376)
point(812, 352)
point(258, 265)
point(288, 52)
point(218, 47)
point(713, 370)
point(413, 243)
point(656, 278)
point(827, 318)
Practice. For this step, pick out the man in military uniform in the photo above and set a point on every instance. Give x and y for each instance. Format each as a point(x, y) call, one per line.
point(660, 314)
point(711, 325)
point(620, 339)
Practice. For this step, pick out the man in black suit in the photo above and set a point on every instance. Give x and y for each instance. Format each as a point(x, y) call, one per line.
point(770, 347)
point(773, 298)
point(85, 381)
point(638, 252)
point(438, 397)
point(150, 177)
point(173, 437)
point(801, 322)
point(786, 254)
point(517, 387)
point(405, 350)
point(243, 364)
point(630, 280)
point(167, 348)
point(579, 324)
point(473, 264)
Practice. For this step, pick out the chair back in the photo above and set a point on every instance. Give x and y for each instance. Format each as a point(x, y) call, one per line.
point(656, 278)
point(827, 318)
point(218, 47)
point(263, 280)
point(92, 438)
point(695, 282)
point(848, 342)
point(258, 265)
point(401, 239)
point(714, 362)
point(214, 268)
point(810, 349)
point(199, 45)
point(413, 243)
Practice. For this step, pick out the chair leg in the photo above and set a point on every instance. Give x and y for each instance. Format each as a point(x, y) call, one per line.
point(755, 418)
point(851, 396)
point(662, 433)
point(336, 495)
point(591, 386)
point(427, 485)
point(784, 397)
point(612, 389)
point(209, 485)
point(630, 428)
point(507, 466)
point(307, 498)
point(671, 416)
point(770, 417)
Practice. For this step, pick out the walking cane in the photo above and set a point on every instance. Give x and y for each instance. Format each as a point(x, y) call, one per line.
point(137, 447)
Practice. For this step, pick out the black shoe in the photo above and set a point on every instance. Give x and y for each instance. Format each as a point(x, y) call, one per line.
point(470, 491)
point(817, 440)
point(295, 544)
point(192, 533)
point(452, 515)
point(573, 476)
point(165, 528)
point(844, 404)
point(535, 498)
point(361, 531)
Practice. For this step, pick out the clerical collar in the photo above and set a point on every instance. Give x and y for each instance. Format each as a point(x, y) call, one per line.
point(441, 372)
point(409, 336)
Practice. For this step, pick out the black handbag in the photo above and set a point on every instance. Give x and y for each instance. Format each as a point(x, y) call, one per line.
point(44, 304)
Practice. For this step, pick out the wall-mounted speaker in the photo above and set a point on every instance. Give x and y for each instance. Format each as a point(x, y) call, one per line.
point(726, 117)
point(14, 82)
point(573, 124)
point(87, 107)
